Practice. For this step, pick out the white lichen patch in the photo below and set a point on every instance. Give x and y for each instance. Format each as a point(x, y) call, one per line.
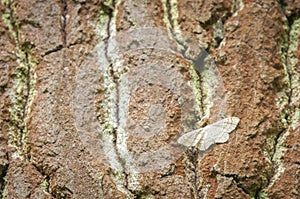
point(199, 91)
point(174, 20)
point(16, 155)
point(290, 112)
point(115, 108)
point(103, 20)
point(6, 1)
point(7, 20)
point(208, 86)
point(170, 19)
point(218, 30)
point(293, 64)
point(205, 190)
point(277, 158)
point(178, 36)
point(23, 90)
point(289, 46)
point(22, 97)
point(4, 193)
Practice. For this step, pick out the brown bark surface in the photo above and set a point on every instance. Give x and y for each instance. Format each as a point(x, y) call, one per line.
point(96, 93)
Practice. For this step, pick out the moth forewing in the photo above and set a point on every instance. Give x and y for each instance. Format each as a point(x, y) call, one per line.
point(191, 138)
point(226, 125)
point(220, 130)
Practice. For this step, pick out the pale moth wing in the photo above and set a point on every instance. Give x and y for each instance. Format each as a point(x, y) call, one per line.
point(217, 132)
point(205, 144)
point(220, 130)
point(191, 138)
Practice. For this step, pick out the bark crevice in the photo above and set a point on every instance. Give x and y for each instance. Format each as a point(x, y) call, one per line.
point(197, 62)
point(23, 80)
point(115, 77)
point(64, 13)
point(26, 102)
point(235, 178)
point(46, 181)
point(192, 164)
point(3, 180)
point(289, 112)
point(58, 48)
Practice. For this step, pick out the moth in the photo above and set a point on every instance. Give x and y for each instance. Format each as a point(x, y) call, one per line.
point(203, 138)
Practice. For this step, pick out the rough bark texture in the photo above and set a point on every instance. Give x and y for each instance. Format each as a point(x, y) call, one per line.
point(94, 95)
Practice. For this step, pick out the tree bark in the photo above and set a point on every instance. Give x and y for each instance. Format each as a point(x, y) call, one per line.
point(95, 95)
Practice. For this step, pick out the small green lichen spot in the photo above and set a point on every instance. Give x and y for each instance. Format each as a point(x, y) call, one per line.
point(44, 185)
point(4, 193)
point(102, 23)
point(261, 195)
